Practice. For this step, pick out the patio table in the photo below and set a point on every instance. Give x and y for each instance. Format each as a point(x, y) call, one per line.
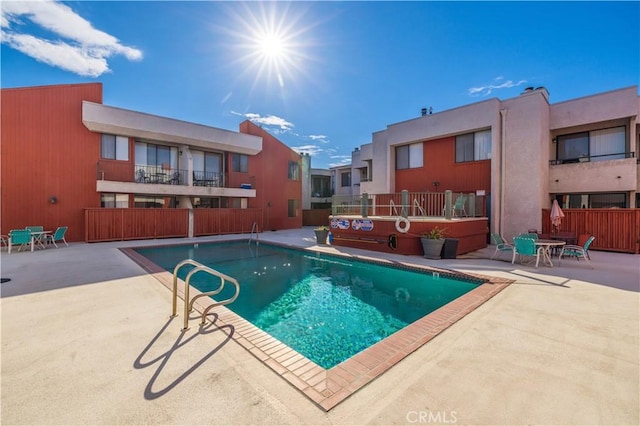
point(36, 239)
point(546, 249)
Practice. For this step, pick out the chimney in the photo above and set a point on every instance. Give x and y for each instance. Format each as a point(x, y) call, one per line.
point(424, 112)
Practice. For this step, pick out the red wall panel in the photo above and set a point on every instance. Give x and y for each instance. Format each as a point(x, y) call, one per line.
point(268, 173)
point(46, 151)
point(439, 165)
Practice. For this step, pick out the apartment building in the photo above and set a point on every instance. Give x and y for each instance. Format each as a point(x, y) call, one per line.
point(518, 154)
point(64, 151)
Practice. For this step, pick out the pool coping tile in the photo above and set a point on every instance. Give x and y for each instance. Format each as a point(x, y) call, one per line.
point(327, 388)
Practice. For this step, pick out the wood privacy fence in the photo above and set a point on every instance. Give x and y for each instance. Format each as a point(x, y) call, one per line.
point(225, 221)
point(614, 229)
point(106, 224)
point(316, 217)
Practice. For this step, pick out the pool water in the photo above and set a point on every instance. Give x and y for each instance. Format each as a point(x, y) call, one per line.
point(325, 307)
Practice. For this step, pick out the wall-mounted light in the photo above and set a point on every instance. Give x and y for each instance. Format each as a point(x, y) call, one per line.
point(53, 199)
point(435, 183)
point(554, 140)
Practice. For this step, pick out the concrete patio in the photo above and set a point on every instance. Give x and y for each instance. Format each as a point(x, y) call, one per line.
point(87, 339)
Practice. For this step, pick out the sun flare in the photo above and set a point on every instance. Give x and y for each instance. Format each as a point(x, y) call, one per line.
point(270, 42)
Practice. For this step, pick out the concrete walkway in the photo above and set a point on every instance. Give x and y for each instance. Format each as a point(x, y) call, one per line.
point(87, 339)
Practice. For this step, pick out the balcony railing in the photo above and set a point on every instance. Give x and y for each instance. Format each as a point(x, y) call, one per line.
point(588, 158)
point(159, 175)
point(202, 178)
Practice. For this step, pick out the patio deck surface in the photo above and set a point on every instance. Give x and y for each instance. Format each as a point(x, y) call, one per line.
point(87, 339)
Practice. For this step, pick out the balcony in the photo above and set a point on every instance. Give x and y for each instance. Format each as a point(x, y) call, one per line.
point(118, 177)
point(160, 175)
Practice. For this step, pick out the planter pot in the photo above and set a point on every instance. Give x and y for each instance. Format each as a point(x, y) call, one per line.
point(432, 248)
point(321, 236)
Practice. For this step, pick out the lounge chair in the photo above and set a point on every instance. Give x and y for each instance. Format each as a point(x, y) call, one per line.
point(582, 240)
point(524, 246)
point(458, 206)
point(501, 244)
point(58, 236)
point(577, 251)
point(19, 237)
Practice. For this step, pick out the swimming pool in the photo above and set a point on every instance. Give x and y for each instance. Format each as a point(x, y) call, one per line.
point(325, 307)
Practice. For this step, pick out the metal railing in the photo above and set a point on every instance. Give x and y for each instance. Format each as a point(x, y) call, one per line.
point(589, 158)
point(188, 304)
point(254, 231)
point(416, 204)
point(202, 178)
point(159, 175)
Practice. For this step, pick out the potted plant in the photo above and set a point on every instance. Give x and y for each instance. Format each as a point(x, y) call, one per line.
point(432, 242)
point(322, 232)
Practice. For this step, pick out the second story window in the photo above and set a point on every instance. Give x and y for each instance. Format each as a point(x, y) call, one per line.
point(409, 156)
point(345, 179)
point(239, 163)
point(473, 146)
point(596, 145)
point(294, 170)
point(114, 147)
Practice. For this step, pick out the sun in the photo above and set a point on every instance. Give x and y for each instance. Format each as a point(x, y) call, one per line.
point(272, 47)
point(268, 41)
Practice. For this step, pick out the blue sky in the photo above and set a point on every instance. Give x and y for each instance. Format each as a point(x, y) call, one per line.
point(320, 76)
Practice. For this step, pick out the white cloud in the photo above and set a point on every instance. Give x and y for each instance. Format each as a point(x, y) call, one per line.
point(79, 48)
point(319, 138)
point(497, 83)
point(280, 124)
point(312, 150)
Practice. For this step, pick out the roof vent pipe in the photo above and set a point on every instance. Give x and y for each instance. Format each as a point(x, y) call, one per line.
point(424, 112)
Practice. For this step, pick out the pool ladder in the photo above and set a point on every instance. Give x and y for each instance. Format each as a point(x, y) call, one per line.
point(188, 304)
point(254, 230)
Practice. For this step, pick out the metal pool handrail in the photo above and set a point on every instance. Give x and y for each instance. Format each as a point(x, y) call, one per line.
point(254, 229)
point(188, 304)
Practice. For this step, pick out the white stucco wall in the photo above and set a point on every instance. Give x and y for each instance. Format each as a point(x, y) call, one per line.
point(118, 121)
point(525, 171)
point(595, 108)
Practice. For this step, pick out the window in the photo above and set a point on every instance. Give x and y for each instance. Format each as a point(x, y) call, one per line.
point(321, 186)
point(593, 201)
point(210, 203)
point(409, 156)
point(207, 168)
point(160, 156)
point(292, 208)
point(240, 163)
point(473, 146)
point(596, 145)
point(345, 179)
point(114, 147)
point(120, 201)
point(294, 170)
point(149, 201)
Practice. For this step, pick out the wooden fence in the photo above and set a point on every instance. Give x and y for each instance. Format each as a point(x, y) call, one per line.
point(225, 221)
point(615, 229)
point(106, 224)
point(315, 217)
